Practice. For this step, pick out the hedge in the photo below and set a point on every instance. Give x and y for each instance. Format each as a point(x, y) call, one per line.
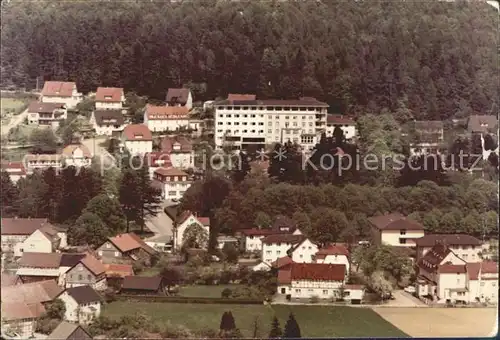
point(186, 299)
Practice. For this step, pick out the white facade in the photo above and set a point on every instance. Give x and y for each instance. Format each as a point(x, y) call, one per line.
point(336, 259)
point(305, 252)
point(306, 289)
point(42, 162)
point(24, 327)
point(465, 252)
point(11, 243)
point(52, 120)
point(70, 102)
point(175, 190)
point(107, 130)
point(253, 242)
point(139, 147)
point(182, 160)
point(35, 243)
point(181, 229)
point(80, 313)
point(349, 130)
point(261, 266)
point(261, 124)
point(273, 251)
point(77, 159)
point(400, 238)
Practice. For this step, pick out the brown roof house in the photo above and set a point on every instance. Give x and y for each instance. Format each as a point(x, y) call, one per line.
point(395, 230)
point(467, 247)
point(172, 182)
point(109, 98)
point(180, 150)
point(184, 221)
point(320, 280)
point(15, 169)
point(23, 304)
point(87, 271)
point(77, 155)
point(30, 235)
point(34, 267)
point(125, 248)
point(61, 92)
point(105, 122)
point(137, 139)
point(47, 114)
point(69, 331)
point(483, 124)
point(83, 304)
point(179, 97)
point(142, 285)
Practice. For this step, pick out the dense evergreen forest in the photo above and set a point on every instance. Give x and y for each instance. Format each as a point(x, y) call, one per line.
point(426, 59)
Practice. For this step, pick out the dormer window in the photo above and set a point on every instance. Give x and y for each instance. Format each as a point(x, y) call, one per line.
point(107, 97)
point(138, 136)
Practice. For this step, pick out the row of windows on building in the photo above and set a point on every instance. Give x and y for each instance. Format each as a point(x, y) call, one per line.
point(262, 116)
point(269, 108)
point(286, 132)
point(304, 124)
point(325, 291)
point(174, 193)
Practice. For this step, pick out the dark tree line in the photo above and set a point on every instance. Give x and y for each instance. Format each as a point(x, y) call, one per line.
point(419, 59)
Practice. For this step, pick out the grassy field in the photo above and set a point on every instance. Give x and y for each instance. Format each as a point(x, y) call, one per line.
point(11, 105)
point(314, 321)
point(443, 322)
point(204, 291)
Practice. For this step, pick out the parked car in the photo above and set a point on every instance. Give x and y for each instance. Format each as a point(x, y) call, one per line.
point(410, 289)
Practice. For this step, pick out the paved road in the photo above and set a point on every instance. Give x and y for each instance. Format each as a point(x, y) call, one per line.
point(14, 121)
point(161, 224)
point(404, 299)
point(105, 158)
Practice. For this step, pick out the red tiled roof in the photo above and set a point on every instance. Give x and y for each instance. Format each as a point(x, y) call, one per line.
point(157, 159)
point(21, 311)
point(205, 221)
point(40, 260)
point(333, 249)
point(168, 144)
point(13, 168)
point(430, 240)
point(35, 292)
point(93, 264)
point(152, 283)
point(285, 276)
point(170, 172)
point(39, 107)
point(282, 261)
point(130, 241)
point(339, 119)
point(58, 88)
point(485, 267)
point(236, 96)
point(318, 271)
point(121, 270)
point(22, 226)
point(283, 238)
point(395, 221)
point(451, 269)
point(166, 112)
point(109, 94)
point(137, 132)
point(434, 257)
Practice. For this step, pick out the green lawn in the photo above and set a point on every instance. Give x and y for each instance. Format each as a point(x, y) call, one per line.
point(314, 321)
point(11, 105)
point(204, 291)
point(150, 272)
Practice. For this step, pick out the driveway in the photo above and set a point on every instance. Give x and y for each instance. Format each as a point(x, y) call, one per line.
point(15, 121)
point(105, 158)
point(161, 224)
point(404, 299)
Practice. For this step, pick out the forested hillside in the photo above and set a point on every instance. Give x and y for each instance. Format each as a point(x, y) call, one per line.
point(426, 59)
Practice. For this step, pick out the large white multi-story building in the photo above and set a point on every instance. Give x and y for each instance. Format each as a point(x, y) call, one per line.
point(241, 123)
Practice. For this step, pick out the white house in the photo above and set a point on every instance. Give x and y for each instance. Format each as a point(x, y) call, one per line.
point(253, 238)
point(180, 150)
point(467, 247)
point(243, 121)
point(16, 230)
point(109, 98)
point(334, 254)
point(77, 155)
point(186, 219)
point(324, 281)
point(425, 137)
point(172, 182)
point(62, 93)
point(156, 160)
point(347, 124)
point(395, 230)
point(180, 97)
point(303, 252)
point(276, 246)
point(44, 240)
point(47, 114)
point(105, 122)
point(82, 303)
point(16, 170)
point(137, 139)
point(166, 118)
point(42, 162)
point(483, 281)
